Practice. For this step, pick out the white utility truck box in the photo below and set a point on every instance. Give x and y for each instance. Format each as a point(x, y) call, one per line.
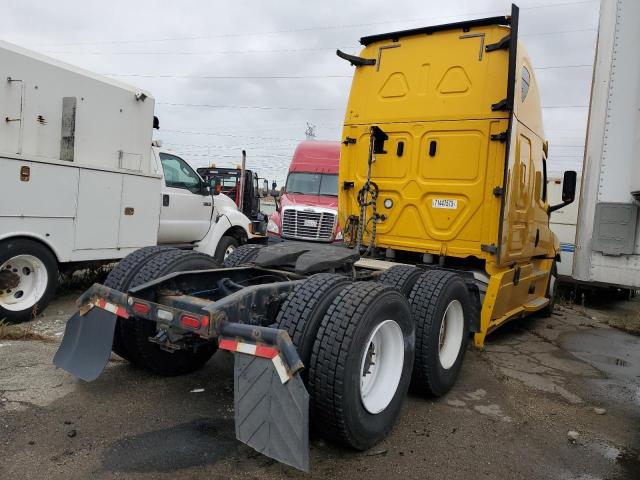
point(608, 231)
point(76, 166)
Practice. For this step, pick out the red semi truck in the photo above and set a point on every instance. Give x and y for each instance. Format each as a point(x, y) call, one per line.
point(307, 206)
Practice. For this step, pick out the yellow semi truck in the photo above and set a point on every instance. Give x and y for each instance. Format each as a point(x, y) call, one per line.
point(444, 156)
point(443, 202)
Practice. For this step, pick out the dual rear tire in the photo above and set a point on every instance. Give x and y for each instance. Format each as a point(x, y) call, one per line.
point(356, 340)
point(131, 337)
point(365, 344)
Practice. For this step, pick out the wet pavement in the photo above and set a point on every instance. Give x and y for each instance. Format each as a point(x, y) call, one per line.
point(508, 416)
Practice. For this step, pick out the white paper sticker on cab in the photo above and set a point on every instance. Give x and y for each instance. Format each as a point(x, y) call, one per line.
point(440, 203)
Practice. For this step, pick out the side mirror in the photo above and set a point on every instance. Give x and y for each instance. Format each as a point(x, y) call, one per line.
point(568, 190)
point(214, 186)
point(277, 197)
point(265, 187)
point(569, 186)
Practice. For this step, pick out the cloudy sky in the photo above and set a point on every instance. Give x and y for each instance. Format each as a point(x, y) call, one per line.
point(251, 74)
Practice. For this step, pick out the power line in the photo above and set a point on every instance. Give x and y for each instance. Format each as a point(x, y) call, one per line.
point(558, 32)
point(214, 52)
point(256, 107)
point(229, 77)
point(277, 77)
point(216, 134)
point(274, 155)
point(566, 106)
point(326, 27)
point(551, 67)
point(232, 147)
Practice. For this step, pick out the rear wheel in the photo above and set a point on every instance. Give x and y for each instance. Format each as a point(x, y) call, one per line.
point(28, 279)
point(441, 309)
point(242, 255)
point(136, 332)
point(226, 246)
point(120, 279)
point(305, 307)
point(403, 277)
point(361, 364)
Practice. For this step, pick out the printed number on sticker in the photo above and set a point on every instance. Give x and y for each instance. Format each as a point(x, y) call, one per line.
point(440, 203)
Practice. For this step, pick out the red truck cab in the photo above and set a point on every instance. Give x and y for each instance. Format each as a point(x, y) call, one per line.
point(307, 207)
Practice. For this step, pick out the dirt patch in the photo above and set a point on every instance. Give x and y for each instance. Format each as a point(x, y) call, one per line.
point(629, 325)
point(19, 332)
point(608, 309)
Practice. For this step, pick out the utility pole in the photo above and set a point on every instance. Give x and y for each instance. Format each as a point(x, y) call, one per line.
point(310, 132)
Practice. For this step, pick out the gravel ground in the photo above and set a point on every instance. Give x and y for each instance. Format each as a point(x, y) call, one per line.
point(509, 416)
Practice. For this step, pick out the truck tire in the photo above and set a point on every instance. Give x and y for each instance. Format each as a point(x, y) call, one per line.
point(242, 255)
point(305, 307)
point(441, 309)
point(552, 292)
point(28, 279)
point(226, 246)
point(403, 277)
point(120, 278)
point(136, 331)
point(361, 364)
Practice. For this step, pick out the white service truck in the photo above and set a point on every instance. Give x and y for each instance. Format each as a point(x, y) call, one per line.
point(606, 229)
point(81, 182)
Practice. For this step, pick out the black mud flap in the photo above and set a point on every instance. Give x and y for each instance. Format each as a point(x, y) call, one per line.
point(271, 417)
point(86, 345)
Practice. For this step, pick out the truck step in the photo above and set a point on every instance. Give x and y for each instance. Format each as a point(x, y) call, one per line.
point(536, 304)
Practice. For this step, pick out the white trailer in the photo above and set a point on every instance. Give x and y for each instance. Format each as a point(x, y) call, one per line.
point(563, 224)
point(80, 181)
point(607, 242)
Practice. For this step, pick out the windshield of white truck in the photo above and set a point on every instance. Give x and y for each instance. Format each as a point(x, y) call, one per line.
point(312, 183)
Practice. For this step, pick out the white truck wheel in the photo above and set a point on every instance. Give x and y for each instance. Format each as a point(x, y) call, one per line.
point(28, 279)
point(226, 246)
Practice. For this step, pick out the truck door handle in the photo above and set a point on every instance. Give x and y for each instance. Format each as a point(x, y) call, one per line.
point(165, 200)
point(433, 145)
point(206, 204)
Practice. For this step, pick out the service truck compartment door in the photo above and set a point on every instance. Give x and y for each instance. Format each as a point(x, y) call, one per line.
point(139, 212)
point(185, 214)
point(98, 217)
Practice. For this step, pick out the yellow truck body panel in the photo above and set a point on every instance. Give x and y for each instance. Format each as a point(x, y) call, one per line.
point(462, 172)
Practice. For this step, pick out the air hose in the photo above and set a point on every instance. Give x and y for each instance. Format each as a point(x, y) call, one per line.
point(367, 197)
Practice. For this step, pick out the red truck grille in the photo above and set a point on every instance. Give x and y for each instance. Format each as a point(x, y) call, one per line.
point(308, 224)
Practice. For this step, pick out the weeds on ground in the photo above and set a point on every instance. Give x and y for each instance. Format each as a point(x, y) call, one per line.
point(20, 332)
point(82, 279)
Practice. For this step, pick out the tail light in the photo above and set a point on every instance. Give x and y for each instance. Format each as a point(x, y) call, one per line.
point(141, 308)
point(194, 322)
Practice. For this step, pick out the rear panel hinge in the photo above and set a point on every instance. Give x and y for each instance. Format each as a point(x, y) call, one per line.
point(500, 137)
point(503, 43)
point(501, 105)
point(498, 191)
point(492, 249)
